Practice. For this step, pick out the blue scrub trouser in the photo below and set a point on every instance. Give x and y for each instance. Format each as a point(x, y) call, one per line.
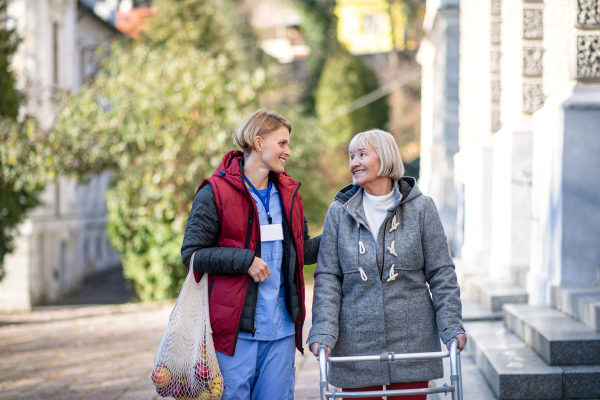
point(259, 370)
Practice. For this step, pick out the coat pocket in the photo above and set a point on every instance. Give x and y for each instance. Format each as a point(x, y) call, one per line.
point(351, 280)
point(423, 331)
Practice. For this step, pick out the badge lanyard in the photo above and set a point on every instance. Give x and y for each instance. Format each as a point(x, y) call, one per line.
point(265, 204)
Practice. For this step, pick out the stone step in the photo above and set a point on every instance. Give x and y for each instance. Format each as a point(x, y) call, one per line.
point(513, 370)
point(492, 294)
point(581, 382)
point(473, 312)
point(583, 304)
point(557, 338)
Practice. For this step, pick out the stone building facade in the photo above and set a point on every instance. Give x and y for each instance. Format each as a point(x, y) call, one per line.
point(528, 193)
point(521, 62)
point(566, 149)
point(64, 240)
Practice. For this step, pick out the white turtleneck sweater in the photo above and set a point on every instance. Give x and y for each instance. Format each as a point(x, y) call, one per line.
point(376, 208)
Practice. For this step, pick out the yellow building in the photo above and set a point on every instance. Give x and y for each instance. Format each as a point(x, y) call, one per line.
point(365, 26)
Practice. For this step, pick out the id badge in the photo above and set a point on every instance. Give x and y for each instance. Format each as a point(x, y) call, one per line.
point(271, 232)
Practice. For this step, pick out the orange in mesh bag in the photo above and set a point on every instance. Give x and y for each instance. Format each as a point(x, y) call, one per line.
point(185, 365)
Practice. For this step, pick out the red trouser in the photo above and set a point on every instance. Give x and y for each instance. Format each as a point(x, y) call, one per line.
point(395, 386)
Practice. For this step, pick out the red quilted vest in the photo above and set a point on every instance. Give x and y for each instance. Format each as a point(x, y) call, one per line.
point(235, 207)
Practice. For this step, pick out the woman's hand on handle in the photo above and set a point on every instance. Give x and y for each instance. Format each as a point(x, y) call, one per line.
point(462, 341)
point(314, 348)
point(259, 270)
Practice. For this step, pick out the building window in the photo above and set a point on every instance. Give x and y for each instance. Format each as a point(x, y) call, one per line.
point(63, 263)
point(57, 197)
point(86, 251)
point(40, 277)
point(99, 247)
point(373, 23)
point(82, 67)
point(55, 53)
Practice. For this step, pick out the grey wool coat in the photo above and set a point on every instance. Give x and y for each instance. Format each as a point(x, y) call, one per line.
point(360, 305)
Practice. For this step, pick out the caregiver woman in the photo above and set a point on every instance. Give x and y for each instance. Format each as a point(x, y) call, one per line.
point(383, 249)
point(248, 231)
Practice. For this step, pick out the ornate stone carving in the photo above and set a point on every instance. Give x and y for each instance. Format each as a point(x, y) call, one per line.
point(495, 61)
point(588, 56)
point(588, 12)
point(533, 97)
point(496, 32)
point(496, 90)
point(496, 121)
point(496, 7)
point(532, 61)
point(533, 23)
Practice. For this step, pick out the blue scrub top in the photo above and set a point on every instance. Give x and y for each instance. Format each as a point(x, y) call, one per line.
point(271, 320)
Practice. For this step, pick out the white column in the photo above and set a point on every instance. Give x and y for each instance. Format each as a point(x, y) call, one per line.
point(474, 159)
point(566, 148)
point(520, 63)
point(439, 58)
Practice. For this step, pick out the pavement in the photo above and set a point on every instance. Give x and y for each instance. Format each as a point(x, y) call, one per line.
point(100, 351)
point(86, 350)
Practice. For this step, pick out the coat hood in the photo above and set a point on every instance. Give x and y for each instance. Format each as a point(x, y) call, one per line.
point(407, 186)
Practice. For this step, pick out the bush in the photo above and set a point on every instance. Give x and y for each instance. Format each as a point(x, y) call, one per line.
point(159, 115)
point(23, 154)
point(25, 167)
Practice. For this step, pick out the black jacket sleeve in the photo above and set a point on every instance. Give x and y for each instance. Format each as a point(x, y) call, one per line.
point(201, 234)
point(311, 246)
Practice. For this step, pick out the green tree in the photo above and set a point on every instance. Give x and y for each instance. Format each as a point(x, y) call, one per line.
point(10, 97)
point(319, 28)
point(159, 116)
point(23, 158)
point(346, 78)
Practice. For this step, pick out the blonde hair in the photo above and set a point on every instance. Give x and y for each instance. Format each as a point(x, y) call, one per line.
point(386, 148)
point(258, 124)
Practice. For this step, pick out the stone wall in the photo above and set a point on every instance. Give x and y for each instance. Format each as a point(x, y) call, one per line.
point(520, 67)
point(566, 193)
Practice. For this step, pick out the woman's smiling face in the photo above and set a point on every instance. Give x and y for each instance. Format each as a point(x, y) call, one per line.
point(364, 165)
point(275, 149)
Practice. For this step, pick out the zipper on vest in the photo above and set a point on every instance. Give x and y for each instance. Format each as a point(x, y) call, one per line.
point(292, 209)
point(212, 283)
point(258, 253)
point(237, 333)
point(249, 229)
point(300, 304)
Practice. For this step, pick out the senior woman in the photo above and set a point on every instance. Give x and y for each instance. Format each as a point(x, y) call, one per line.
point(248, 231)
point(383, 250)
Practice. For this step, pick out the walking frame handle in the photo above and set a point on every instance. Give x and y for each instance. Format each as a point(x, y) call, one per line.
point(455, 387)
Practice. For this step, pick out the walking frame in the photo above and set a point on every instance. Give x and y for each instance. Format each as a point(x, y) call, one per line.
point(455, 387)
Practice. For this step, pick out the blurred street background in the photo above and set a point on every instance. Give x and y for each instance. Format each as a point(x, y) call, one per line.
point(112, 112)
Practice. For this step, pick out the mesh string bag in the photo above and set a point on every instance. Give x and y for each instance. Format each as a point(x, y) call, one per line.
point(185, 365)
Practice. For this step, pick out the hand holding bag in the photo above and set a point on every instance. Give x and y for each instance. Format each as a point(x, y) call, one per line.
point(185, 365)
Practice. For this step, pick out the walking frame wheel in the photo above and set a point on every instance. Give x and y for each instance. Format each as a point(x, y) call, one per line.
point(455, 387)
